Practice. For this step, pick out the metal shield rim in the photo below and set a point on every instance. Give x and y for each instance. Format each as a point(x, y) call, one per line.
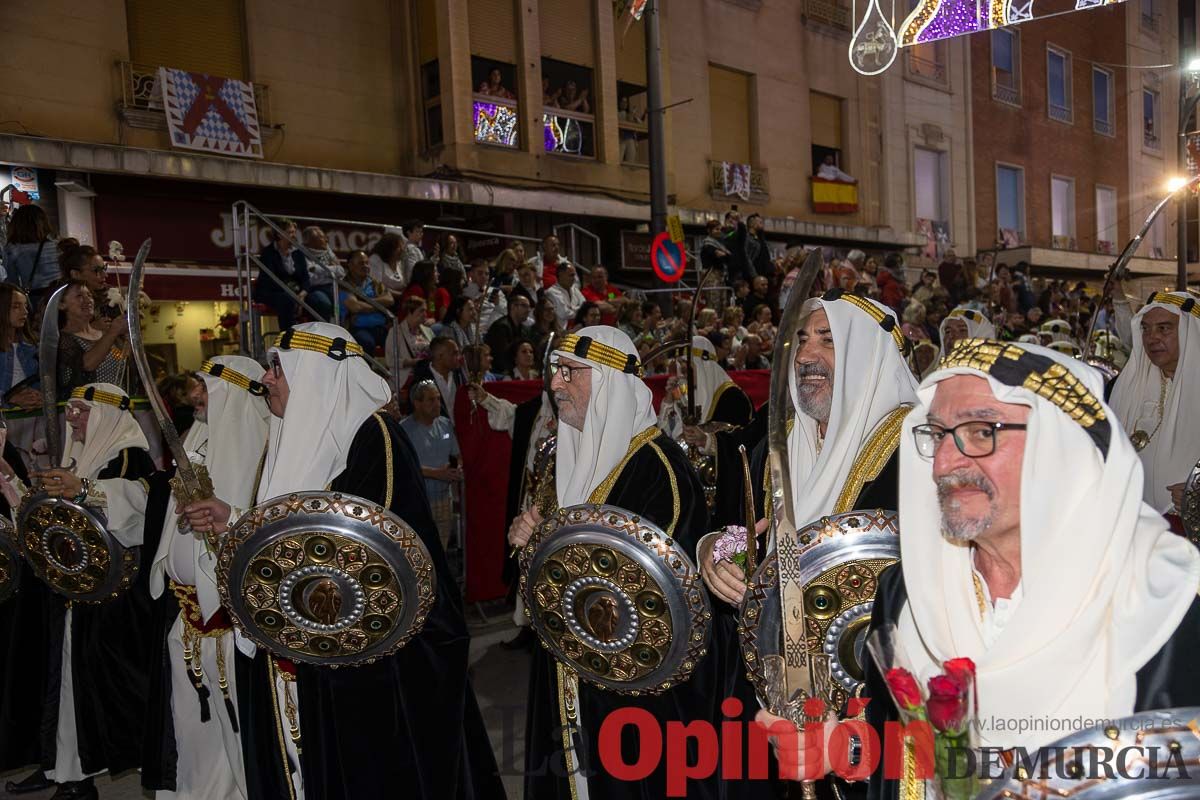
point(567, 533)
point(234, 560)
point(116, 581)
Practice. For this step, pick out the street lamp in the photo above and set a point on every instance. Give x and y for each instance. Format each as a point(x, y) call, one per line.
point(1176, 183)
point(1194, 65)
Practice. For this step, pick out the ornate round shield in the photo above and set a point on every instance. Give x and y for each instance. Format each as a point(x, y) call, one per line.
point(1152, 756)
point(840, 558)
point(1190, 508)
point(10, 561)
point(68, 546)
point(615, 599)
point(326, 578)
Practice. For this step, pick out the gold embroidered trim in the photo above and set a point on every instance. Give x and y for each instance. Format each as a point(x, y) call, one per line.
point(1189, 305)
point(879, 315)
point(234, 378)
point(337, 349)
point(568, 714)
point(601, 353)
point(600, 493)
point(387, 452)
point(674, 489)
point(910, 787)
point(273, 672)
point(872, 458)
point(965, 313)
point(94, 395)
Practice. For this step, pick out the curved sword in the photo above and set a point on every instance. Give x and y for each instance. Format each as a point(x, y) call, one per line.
point(692, 416)
point(48, 370)
point(191, 481)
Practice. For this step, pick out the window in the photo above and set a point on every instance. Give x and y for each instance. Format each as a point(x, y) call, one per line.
point(825, 113)
point(1102, 101)
point(1010, 204)
point(1106, 219)
point(631, 90)
point(1006, 66)
point(495, 118)
point(729, 115)
point(1157, 238)
point(1149, 16)
point(568, 118)
point(930, 186)
point(1058, 84)
point(199, 37)
point(431, 77)
point(1062, 213)
point(1150, 132)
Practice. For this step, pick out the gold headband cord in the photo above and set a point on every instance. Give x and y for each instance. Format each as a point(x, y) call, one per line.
point(234, 377)
point(885, 320)
point(338, 349)
point(1187, 305)
point(94, 395)
point(601, 353)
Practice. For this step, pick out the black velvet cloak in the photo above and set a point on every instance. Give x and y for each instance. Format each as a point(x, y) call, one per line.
point(1168, 680)
point(644, 487)
point(734, 408)
point(525, 417)
point(405, 726)
point(110, 649)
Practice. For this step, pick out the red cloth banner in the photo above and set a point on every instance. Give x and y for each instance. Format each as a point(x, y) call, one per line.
point(486, 457)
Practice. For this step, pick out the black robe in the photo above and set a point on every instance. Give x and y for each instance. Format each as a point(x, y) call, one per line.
point(407, 725)
point(643, 487)
point(110, 648)
point(734, 408)
point(1168, 680)
point(524, 418)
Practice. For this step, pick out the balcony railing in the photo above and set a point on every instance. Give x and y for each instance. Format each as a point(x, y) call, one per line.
point(828, 13)
point(1151, 140)
point(140, 107)
point(569, 133)
point(759, 192)
point(1006, 94)
point(495, 121)
point(1060, 113)
point(1104, 126)
point(635, 143)
point(926, 68)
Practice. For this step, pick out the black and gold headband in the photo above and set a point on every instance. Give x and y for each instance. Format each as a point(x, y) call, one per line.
point(601, 353)
point(338, 349)
point(234, 377)
point(1187, 305)
point(703, 355)
point(965, 313)
point(1042, 375)
point(885, 320)
point(94, 395)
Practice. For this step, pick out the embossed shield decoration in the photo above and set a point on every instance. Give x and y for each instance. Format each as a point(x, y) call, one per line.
point(10, 561)
point(69, 547)
point(615, 599)
point(326, 578)
point(840, 559)
point(1189, 510)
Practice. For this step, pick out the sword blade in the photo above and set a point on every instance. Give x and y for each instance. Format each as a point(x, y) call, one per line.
point(48, 369)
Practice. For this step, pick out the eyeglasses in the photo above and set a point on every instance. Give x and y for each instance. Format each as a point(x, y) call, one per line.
point(567, 371)
point(974, 439)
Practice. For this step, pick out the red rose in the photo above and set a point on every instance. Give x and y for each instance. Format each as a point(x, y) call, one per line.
point(947, 705)
point(962, 670)
point(904, 688)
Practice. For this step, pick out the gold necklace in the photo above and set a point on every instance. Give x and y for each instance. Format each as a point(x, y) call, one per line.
point(1140, 438)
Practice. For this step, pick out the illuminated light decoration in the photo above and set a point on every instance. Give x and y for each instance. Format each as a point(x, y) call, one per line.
point(495, 124)
point(1019, 12)
point(873, 47)
point(562, 135)
point(932, 20)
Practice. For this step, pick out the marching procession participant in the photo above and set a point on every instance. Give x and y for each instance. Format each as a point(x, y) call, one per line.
point(409, 721)
point(1155, 391)
point(963, 322)
point(192, 748)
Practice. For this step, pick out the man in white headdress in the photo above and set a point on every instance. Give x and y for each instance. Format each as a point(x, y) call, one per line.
point(1012, 466)
point(375, 728)
point(611, 451)
point(1055, 330)
point(963, 322)
point(94, 709)
point(193, 747)
point(723, 410)
point(1156, 395)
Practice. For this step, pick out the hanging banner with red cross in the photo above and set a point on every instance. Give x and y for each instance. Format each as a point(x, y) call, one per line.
point(211, 113)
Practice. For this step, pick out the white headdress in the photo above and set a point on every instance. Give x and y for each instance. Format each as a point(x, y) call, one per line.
point(978, 326)
point(111, 428)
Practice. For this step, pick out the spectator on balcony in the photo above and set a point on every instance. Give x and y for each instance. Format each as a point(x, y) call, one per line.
point(549, 96)
point(384, 262)
point(424, 284)
point(368, 325)
point(282, 259)
point(524, 363)
point(490, 299)
point(547, 264)
point(629, 139)
point(324, 272)
point(409, 340)
point(829, 171)
point(494, 86)
point(451, 257)
point(30, 256)
point(506, 332)
point(414, 232)
point(599, 290)
point(573, 98)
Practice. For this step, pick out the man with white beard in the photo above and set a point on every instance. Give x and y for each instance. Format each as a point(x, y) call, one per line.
point(192, 742)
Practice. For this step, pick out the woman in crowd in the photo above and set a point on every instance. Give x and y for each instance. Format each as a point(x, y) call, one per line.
point(545, 324)
point(504, 271)
point(452, 281)
point(731, 326)
point(424, 284)
point(85, 354)
point(761, 322)
point(30, 255)
point(451, 260)
point(368, 325)
point(384, 263)
point(587, 315)
point(524, 363)
point(18, 354)
point(630, 319)
point(459, 322)
point(409, 340)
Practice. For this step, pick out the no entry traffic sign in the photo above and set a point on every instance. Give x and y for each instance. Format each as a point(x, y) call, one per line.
point(668, 258)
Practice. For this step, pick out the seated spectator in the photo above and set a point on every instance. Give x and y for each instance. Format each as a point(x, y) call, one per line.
point(524, 363)
point(545, 325)
point(477, 358)
point(452, 281)
point(629, 319)
point(368, 325)
point(927, 287)
point(527, 284)
point(444, 368)
point(652, 317)
point(414, 234)
point(489, 300)
point(587, 316)
point(890, 278)
point(749, 355)
point(506, 332)
point(829, 171)
point(432, 437)
point(494, 86)
point(504, 270)
point(408, 340)
point(324, 272)
point(706, 321)
point(424, 284)
point(460, 322)
point(86, 354)
point(762, 323)
point(572, 98)
point(731, 326)
point(451, 258)
point(599, 290)
point(548, 261)
point(30, 255)
point(385, 264)
point(564, 295)
point(18, 354)
point(285, 263)
point(721, 343)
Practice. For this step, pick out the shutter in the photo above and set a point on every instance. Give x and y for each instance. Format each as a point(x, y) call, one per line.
point(427, 30)
point(729, 113)
point(493, 30)
point(826, 112)
point(567, 30)
point(207, 37)
point(631, 50)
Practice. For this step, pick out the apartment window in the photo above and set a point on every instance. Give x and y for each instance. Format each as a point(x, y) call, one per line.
point(631, 91)
point(205, 37)
point(1010, 204)
point(825, 124)
point(1058, 84)
point(1062, 213)
point(1102, 101)
point(431, 99)
point(1157, 237)
point(1151, 138)
point(729, 103)
point(1149, 16)
point(569, 114)
point(930, 187)
point(1106, 219)
point(1006, 66)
